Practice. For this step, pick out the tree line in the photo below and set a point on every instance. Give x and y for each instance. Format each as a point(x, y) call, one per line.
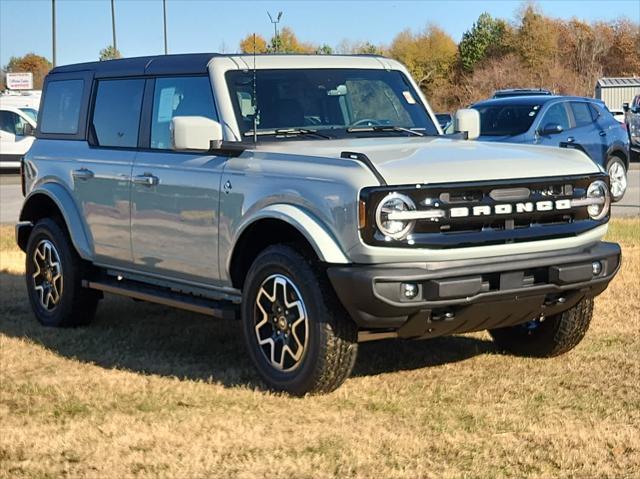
point(565, 56)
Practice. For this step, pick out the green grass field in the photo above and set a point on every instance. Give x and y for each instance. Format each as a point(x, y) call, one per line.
point(146, 391)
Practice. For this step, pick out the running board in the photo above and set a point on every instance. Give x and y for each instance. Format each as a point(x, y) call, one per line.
point(165, 296)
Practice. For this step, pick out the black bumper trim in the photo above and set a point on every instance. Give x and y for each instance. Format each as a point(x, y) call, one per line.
point(505, 292)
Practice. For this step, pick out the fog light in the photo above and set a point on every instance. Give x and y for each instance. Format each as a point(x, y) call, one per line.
point(596, 268)
point(409, 290)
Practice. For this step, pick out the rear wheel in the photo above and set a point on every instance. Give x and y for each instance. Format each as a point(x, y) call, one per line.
point(54, 278)
point(617, 177)
point(552, 336)
point(297, 334)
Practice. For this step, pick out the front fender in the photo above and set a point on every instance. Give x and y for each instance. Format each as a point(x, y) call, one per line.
point(619, 148)
point(61, 197)
point(322, 241)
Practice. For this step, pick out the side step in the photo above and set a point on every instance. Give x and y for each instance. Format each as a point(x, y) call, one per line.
point(165, 296)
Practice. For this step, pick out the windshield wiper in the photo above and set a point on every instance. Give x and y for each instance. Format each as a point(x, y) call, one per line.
point(399, 129)
point(289, 131)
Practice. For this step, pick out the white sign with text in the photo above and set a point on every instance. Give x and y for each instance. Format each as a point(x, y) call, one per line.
point(20, 81)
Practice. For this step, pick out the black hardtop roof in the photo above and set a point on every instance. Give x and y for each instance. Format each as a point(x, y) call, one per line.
point(152, 65)
point(183, 63)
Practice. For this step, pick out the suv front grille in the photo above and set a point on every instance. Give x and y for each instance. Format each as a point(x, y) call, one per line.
point(481, 213)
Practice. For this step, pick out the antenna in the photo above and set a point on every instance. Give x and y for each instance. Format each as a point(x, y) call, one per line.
point(256, 113)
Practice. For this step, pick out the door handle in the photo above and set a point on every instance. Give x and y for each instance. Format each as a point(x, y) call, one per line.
point(82, 174)
point(603, 133)
point(146, 179)
point(571, 139)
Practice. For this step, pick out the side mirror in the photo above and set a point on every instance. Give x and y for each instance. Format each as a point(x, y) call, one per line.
point(625, 106)
point(28, 130)
point(467, 121)
point(194, 132)
point(551, 129)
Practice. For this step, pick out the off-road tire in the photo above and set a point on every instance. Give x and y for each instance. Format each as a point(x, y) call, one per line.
point(77, 305)
point(552, 337)
point(330, 354)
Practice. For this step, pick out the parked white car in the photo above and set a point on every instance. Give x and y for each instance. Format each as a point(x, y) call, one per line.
point(16, 125)
point(618, 115)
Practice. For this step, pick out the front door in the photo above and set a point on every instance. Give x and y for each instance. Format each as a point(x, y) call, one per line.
point(13, 143)
point(101, 178)
point(175, 195)
point(556, 114)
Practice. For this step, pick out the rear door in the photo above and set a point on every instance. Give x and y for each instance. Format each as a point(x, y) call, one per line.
point(586, 134)
point(175, 195)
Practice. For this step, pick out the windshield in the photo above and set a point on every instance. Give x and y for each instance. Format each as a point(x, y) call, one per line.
point(506, 120)
point(328, 101)
point(31, 113)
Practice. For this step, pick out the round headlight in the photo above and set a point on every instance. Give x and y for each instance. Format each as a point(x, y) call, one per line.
point(395, 228)
point(598, 190)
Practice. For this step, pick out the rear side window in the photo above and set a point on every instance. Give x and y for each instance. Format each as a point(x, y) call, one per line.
point(116, 113)
point(179, 96)
point(581, 113)
point(61, 107)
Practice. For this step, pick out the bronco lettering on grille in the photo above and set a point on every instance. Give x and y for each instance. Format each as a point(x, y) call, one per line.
point(508, 208)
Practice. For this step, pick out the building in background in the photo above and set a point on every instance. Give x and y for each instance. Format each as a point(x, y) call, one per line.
point(616, 91)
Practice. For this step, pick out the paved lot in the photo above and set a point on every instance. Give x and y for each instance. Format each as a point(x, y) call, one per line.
point(630, 204)
point(11, 196)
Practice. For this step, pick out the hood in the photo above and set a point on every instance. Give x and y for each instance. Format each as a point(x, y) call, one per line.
point(441, 160)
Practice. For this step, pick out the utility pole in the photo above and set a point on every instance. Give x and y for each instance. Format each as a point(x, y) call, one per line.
point(113, 24)
point(276, 38)
point(164, 16)
point(53, 30)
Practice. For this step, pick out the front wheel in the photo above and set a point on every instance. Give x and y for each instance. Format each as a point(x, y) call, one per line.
point(553, 336)
point(617, 177)
point(54, 278)
point(297, 334)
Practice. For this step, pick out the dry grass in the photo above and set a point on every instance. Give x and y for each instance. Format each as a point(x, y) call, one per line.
point(147, 391)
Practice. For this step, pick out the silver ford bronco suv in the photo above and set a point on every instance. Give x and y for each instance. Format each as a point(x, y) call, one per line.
point(314, 198)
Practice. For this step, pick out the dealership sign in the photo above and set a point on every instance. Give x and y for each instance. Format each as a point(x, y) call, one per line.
point(20, 81)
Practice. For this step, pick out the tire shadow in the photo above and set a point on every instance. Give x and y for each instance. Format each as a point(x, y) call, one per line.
point(147, 338)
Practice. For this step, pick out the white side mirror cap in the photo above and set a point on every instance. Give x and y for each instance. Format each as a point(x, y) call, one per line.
point(194, 132)
point(467, 120)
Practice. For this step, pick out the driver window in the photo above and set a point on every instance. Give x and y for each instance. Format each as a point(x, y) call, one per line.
point(179, 96)
point(556, 114)
point(10, 122)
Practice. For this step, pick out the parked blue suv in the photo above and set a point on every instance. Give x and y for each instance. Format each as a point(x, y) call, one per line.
point(569, 122)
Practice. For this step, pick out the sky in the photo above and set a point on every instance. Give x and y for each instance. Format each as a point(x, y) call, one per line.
point(84, 26)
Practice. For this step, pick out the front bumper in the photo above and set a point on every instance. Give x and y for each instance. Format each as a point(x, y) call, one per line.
point(472, 295)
